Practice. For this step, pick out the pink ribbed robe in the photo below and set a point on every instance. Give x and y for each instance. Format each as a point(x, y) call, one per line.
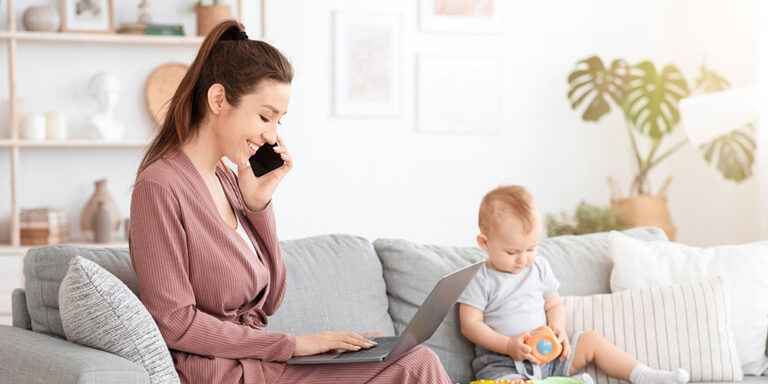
point(210, 295)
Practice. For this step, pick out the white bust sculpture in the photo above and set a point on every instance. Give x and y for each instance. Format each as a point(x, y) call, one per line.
point(104, 87)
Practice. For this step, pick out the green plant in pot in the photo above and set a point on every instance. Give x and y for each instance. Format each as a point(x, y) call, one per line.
point(649, 101)
point(208, 15)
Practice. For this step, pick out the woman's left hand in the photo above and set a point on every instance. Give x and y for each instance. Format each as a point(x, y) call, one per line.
point(257, 191)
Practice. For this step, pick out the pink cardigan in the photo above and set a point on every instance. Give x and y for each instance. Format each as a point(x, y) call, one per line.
point(207, 291)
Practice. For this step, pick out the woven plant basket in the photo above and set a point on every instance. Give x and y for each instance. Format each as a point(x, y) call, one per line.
point(210, 15)
point(644, 210)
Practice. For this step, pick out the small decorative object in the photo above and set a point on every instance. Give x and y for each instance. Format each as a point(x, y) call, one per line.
point(101, 224)
point(42, 18)
point(650, 102)
point(144, 16)
point(367, 56)
point(55, 126)
point(446, 75)
point(100, 194)
point(587, 219)
point(95, 16)
point(41, 226)
point(473, 16)
point(34, 127)
point(210, 15)
point(105, 88)
point(160, 87)
point(152, 29)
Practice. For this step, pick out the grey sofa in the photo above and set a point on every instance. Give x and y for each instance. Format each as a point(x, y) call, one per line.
point(335, 282)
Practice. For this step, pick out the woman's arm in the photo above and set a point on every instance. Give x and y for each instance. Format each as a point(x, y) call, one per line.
point(158, 249)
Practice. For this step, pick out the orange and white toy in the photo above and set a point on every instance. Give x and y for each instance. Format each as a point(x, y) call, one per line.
point(544, 344)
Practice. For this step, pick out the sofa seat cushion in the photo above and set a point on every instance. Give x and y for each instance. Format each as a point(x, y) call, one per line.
point(334, 283)
point(582, 264)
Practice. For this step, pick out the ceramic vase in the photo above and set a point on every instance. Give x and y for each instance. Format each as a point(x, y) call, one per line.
point(43, 18)
point(102, 230)
point(87, 218)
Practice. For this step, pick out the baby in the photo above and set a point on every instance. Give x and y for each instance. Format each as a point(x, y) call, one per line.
point(515, 292)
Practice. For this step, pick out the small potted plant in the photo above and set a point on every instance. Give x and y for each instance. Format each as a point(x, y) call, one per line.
point(210, 15)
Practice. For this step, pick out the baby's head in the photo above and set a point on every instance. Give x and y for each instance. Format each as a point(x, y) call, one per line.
point(509, 228)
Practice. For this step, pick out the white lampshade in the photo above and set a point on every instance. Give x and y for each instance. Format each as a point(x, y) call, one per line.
point(710, 115)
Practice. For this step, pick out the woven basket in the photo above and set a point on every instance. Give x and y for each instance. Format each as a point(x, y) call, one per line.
point(210, 15)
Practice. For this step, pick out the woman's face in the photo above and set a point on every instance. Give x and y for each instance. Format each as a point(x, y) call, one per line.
point(243, 129)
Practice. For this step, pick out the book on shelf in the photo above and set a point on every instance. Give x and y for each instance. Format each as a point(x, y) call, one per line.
point(152, 29)
point(41, 226)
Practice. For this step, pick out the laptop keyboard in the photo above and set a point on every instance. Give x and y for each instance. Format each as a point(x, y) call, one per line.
point(385, 344)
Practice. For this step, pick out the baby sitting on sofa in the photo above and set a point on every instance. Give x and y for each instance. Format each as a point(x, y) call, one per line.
point(515, 293)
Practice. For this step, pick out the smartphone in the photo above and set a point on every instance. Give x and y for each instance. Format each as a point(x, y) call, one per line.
point(265, 160)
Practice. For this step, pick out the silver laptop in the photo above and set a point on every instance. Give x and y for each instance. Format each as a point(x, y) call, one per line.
point(422, 325)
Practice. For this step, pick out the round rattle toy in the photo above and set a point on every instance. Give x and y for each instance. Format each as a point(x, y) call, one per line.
point(544, 344)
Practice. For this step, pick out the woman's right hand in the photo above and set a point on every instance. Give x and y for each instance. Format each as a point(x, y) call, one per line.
point(327, 341)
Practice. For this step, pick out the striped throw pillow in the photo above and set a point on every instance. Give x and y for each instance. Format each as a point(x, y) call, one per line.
point(678, 326)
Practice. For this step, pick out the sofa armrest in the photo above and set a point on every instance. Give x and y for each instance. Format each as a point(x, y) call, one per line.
point(19, 310)
point(31, 357)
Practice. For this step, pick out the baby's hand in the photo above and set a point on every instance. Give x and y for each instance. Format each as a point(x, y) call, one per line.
point(518, 350)
point(563, 337)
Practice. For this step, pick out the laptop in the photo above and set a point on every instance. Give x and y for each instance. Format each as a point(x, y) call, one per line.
point(423, 324)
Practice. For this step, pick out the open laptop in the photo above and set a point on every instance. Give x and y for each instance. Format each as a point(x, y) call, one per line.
point(423, 324)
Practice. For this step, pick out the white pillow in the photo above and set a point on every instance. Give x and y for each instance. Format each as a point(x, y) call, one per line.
point(639, 263)
point(678, 326)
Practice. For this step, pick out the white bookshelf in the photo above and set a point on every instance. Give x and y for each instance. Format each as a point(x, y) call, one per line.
point(14, 144)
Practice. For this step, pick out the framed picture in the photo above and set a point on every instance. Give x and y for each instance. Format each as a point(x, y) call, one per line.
point(459, 94)
point(474, 16)
point(94, 16)
point(367, 63)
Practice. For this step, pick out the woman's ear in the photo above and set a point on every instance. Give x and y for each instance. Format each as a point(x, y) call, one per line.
point(482, 241)
point(217, 96)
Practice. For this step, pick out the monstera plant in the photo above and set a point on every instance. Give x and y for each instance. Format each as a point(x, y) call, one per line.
point(649, 99)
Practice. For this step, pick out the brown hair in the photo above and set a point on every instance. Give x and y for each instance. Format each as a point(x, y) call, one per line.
point(509, 199)
point(226, 57)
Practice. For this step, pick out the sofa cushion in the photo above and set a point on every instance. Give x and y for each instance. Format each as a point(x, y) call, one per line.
point(334, 283)
point(581, 263)
point(99, 311)
point(676, 326)
point(45, 267)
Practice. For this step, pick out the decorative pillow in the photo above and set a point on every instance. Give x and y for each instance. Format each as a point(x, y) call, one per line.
point(745, 267)
point(99, 311)
point(678, 326)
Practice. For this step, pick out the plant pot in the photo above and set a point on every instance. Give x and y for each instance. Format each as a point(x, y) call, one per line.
point(210, 15)
point(645, 210)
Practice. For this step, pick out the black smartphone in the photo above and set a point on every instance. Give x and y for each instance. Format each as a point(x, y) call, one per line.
point(265, 160)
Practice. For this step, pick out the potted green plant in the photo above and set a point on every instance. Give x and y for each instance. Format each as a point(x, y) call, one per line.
point(210, 15)
point(587, 218)
point(649, 101)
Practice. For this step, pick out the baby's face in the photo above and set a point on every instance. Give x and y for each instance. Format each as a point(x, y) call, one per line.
point(509, 248)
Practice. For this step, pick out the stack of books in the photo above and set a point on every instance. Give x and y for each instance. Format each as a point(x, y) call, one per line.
point(152, 29)
point(41, 226)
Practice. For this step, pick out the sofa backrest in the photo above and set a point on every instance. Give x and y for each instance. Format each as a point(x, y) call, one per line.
point(582, 264)
point(335, 282)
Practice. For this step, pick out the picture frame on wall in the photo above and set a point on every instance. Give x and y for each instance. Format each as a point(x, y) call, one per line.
point(467, 16)
point(89, 16)
point(367, 56)
point(468, 104)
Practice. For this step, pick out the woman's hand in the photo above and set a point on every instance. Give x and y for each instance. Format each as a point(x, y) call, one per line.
point(518, 350)
point(257, 191)
point(327, 341)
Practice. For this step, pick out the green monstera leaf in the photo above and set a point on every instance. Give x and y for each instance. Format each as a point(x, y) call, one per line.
point(711, 81)
point(652, 98)
point(592, 81)
point(733, 153)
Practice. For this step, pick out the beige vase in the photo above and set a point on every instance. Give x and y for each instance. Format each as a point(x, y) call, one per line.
point(645, 210)
point(210, 15)
point(100, 194)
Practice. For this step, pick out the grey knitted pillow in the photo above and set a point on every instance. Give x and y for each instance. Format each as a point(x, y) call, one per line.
point(99, 311)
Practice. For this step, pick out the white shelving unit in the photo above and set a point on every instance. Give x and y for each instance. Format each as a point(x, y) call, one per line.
point(13, 37)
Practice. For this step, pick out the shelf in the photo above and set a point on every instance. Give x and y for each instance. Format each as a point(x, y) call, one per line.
point(8, 249)
point(74, 143)
point(104, 38)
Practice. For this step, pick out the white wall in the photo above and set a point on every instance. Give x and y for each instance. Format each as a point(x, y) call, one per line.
point(381, 178)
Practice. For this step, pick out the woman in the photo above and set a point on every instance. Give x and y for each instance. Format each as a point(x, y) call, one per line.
point(203, 241)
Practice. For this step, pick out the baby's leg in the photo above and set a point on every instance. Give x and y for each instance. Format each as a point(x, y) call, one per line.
point(593, 347)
